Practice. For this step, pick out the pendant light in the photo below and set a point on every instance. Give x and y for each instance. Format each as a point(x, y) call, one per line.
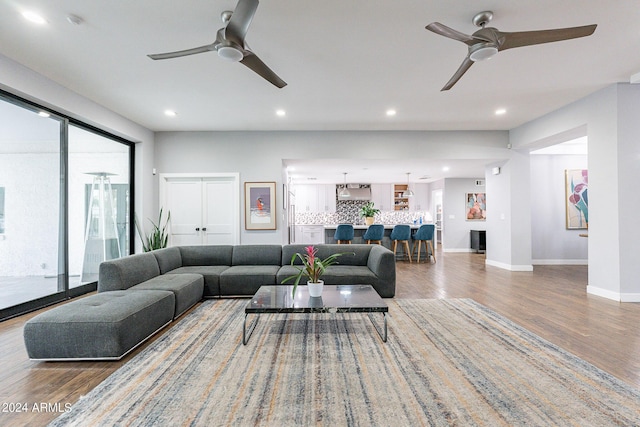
point(344, 192)
point(408, 192)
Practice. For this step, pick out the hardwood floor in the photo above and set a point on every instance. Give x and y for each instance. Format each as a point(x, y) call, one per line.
point(551, 301)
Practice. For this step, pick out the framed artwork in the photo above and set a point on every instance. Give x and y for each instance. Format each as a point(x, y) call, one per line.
point(260, 205)
point(476, 206)
point(576, 183)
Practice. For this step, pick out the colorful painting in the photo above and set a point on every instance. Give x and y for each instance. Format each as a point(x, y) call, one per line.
point(476, 207)
point(577, 198)
point(260, 205)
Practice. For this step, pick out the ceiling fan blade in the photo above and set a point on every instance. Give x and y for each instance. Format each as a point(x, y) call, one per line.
point(443, 30)
point(240, 20)
point(185, 52)
point(466, 64)
point(254, 63)
point(528, 38)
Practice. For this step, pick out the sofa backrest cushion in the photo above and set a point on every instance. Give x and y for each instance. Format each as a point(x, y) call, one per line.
point(168, 259)
point(123, 273)
point(209, 255)
point(353, 254)
point(288, 251)
point(257, 254)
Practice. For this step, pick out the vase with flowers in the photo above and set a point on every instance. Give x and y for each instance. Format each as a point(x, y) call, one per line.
point(312, 268)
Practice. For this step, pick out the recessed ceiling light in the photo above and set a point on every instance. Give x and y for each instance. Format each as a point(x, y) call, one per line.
point(33, 17)
point(445, 169)
point(391, 112)
point(281, 113)
point(170, 113)
point(500, 111)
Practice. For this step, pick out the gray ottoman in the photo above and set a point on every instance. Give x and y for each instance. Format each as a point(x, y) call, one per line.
point(106, 326)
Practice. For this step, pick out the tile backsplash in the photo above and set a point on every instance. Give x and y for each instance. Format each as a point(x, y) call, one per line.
point(348, 212)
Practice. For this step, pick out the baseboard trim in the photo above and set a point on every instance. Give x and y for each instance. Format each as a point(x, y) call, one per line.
point(509, 267)
point(616, 296)
point(560, 262)
point(457, 250)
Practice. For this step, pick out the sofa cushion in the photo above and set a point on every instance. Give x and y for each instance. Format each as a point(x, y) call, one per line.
point(206, 255)
point(102, 326)
point(348, 275)
point(246, 279)
point(210, 273)
point(257, 255)
point(352, 254)
point(186, 287)
point(289, 251)
point(168, 259)
point(335, 275)
point(123, 273)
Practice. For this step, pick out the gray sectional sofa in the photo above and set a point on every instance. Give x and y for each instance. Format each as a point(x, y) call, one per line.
point(140, 294)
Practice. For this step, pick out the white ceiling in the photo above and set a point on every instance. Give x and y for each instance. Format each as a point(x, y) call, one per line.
point(345, 62)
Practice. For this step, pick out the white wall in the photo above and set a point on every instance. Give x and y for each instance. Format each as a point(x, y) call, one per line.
point(610, 119)
point(551, 242)
point(456, 234)
point(258, 156)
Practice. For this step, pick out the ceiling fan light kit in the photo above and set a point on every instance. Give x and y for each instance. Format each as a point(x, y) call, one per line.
point(482, 52)
point(488, 41)
point(230, 53)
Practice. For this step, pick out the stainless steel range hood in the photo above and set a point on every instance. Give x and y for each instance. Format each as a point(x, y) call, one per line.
point(356, 192)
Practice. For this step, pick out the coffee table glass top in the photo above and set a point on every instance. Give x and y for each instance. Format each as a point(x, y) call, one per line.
point(334, 299)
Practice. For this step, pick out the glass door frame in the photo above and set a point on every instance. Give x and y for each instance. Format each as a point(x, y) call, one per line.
point(64, 291)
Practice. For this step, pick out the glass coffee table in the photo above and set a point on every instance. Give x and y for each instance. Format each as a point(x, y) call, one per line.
point(334, 299)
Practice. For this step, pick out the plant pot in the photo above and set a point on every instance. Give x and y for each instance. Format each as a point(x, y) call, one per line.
point(368, 220)
point(315, 289)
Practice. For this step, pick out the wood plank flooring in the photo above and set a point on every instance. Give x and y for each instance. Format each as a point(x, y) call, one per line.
point(551, 301)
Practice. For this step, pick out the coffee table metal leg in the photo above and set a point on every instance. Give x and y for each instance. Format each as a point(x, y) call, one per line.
point(384, 328)
point(246, 334)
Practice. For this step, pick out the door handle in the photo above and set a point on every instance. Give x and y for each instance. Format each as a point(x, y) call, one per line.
point(197, 228)
point(204, 228)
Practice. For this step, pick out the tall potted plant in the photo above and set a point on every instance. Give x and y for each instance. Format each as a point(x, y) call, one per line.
point(158, 237)
point(368, 212)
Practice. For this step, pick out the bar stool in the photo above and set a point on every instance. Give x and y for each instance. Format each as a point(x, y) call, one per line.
point(344, 233)
point(374, 234)
point(401, 233)
point(425, 234)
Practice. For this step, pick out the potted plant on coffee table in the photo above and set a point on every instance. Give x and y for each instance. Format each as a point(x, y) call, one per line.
point(368, 211)
point(312, 268)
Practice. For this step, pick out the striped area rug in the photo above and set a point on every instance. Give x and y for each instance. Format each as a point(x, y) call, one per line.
point(447, 362)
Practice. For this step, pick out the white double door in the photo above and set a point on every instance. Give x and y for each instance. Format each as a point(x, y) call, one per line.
point(205, 210)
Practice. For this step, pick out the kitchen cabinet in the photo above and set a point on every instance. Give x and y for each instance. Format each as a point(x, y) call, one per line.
point(420, 200)
point(315, 197)
point(382, 196)
point(309, 234)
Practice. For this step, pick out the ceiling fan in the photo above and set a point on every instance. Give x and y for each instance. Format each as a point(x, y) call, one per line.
point(230, 43)
point(487, 41)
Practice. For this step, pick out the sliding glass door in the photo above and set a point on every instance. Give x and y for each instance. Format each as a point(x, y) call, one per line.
point(64, 205)
point(98, 203)
point(30, 179)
